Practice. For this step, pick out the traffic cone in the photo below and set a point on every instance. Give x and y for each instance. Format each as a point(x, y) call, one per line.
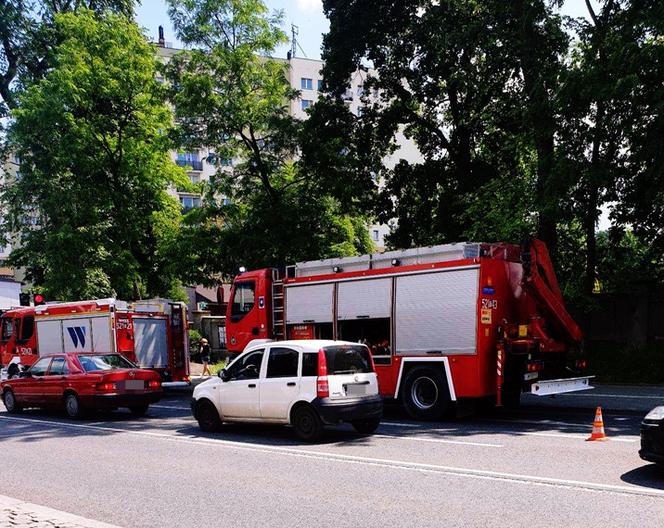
point(598, 427)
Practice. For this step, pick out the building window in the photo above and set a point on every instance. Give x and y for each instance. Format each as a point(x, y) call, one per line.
point(225, 201)
point(306, 84)
point(226, 162)
point(374, 235)
point(190, 202)
point(189, 159)
point(306, 103)
point(320, 85)
point(194, 178)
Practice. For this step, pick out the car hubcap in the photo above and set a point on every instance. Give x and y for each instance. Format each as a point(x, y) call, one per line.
point(424, 393)
point(9, 401)
point(306, 423)
point(72, 406)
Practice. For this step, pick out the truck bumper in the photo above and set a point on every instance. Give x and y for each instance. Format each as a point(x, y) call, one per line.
point(348, 410)
point(560, 386)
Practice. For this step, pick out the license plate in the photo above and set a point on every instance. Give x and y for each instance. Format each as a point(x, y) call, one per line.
point(530, 376)
point(134, 384)
point(356, 390)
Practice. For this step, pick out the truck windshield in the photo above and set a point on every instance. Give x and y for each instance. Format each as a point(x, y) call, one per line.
point(105, 362)
point(347, 359)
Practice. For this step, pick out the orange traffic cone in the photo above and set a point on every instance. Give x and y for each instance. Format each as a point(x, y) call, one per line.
point(598, 427)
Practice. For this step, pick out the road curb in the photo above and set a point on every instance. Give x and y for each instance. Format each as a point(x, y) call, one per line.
point(21, 513)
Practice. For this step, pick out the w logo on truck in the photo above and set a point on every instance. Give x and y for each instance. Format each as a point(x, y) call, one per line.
point(77, 334)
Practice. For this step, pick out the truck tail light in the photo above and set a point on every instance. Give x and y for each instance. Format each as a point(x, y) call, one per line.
point(154, 384)
point(322, 387)
point(106, 386)
point(534, 367)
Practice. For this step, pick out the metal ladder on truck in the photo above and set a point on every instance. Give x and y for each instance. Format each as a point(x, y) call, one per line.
point(277, 305)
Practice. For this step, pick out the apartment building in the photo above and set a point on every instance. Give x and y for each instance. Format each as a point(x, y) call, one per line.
point(306, 76)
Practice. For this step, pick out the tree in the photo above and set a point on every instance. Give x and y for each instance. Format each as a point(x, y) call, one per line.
point(28, 37)
point(472, 83)
point(90, 204)
point(231, 98)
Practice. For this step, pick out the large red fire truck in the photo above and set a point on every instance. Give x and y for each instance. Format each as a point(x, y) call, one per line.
point(446, 324)
point(152, 334)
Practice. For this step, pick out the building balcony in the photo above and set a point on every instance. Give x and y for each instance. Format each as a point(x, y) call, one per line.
point(190, 164)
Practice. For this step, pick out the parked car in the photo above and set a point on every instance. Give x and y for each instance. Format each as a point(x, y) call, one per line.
point(82, 381)
point(652, 436)
point(305, 383)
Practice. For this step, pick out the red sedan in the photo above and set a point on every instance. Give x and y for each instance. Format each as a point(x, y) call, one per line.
point(80, 381)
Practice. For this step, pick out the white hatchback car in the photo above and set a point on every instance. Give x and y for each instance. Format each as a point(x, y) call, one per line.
point(305, 383)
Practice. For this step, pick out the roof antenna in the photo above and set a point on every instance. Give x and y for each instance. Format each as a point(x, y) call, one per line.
point(294, 34)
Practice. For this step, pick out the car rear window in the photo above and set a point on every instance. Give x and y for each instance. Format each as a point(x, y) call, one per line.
point(105, 362)
point(347, 359)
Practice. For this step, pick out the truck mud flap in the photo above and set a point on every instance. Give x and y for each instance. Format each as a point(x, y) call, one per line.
point(561, 386)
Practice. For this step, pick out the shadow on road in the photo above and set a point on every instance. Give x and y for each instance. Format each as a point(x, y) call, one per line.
point(647, 476)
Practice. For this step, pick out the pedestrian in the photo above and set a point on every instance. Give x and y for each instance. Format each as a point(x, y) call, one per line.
point(205, 357)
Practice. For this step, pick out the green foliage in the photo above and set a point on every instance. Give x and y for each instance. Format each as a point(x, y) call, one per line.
point(233, 100)
point(94, 167)
point(625, 363)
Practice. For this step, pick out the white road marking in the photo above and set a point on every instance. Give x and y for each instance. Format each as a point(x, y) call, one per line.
point(154, 406)
point(596, 395)
point(436, 440)
point(471, 473)
point(576, 436)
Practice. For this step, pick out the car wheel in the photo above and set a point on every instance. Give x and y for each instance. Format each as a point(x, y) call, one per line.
point(72, 406)
point(425, 394)
point(307, 424)
point(207, 416)
point(138, 410)
point(10, 402)
point(366, 426)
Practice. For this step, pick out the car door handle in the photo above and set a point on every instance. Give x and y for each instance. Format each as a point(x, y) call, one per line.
point(291, 384)
point(252, 385)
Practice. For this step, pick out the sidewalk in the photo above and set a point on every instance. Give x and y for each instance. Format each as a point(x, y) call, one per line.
point(15, 513)
point(637, 399)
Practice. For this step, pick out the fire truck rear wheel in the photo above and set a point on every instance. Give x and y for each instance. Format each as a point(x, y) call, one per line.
point(425, 394)
point(10, 402)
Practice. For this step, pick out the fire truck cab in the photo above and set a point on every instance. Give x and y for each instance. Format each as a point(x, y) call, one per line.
point(447, 323)
point(152, 334)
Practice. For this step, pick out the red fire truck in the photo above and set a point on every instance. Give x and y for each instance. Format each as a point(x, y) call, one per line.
point(446, 324)
point(152, 334)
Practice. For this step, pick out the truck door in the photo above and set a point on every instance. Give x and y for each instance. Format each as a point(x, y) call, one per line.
point(7, 339)
point(244, 315)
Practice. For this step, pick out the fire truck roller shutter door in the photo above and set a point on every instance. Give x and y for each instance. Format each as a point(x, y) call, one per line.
point(102, 340)
point(371, 299)
point(77, 334)
point(437, 312)
point(150, 342)
point(310, 303)
point(49, 336)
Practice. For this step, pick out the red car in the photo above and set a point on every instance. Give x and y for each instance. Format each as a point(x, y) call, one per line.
point(81, 381)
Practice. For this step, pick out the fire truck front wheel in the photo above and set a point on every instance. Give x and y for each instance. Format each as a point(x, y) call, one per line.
point(425, 394)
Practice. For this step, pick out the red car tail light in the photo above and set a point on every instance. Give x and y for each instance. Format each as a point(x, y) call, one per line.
point(322, 387)
point(106, 386)
point(154, 384)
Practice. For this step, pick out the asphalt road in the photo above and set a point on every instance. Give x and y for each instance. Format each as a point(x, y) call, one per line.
point(526, 468)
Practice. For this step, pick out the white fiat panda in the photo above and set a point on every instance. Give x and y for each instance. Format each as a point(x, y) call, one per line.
point(305, 383)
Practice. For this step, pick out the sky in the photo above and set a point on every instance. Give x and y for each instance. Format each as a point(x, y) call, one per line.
point(307, 15)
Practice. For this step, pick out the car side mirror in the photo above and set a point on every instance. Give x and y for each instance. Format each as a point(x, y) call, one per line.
point(223, 374)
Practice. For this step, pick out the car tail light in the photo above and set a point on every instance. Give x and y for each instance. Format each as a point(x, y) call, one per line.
point(581, 363)
point(106, 386)
point(154, 384)
point(322, 387)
